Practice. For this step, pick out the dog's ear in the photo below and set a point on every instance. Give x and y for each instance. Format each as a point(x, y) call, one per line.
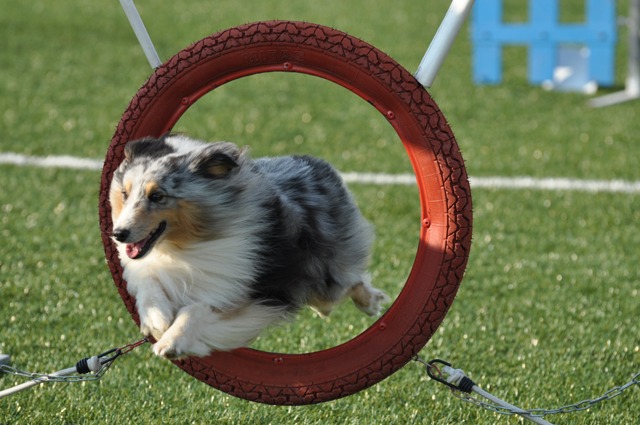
point(128, 152)
point(216, 161)
point(148, 146)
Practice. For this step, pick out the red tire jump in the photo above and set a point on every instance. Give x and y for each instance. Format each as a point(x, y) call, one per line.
point(445, 201)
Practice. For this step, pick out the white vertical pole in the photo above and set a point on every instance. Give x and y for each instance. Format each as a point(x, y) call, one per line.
point(633, 67)
point(632, 83)
point(442, 41)
point(141, 33)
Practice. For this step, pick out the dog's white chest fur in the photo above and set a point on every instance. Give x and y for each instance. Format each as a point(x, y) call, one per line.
point(190, 275)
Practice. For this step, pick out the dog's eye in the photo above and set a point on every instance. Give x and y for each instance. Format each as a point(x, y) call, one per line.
point(156, 197)
point(124, 195)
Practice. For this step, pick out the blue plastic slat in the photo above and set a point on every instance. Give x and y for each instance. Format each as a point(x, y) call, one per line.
point(542, 34)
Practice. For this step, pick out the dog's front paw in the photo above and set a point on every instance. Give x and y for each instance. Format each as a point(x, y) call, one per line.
point(166, 347)
point(172, 347)
point(154, 322)
point(175, 344)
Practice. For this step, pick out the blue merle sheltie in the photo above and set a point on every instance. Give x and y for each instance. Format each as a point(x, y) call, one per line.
point(216, 246)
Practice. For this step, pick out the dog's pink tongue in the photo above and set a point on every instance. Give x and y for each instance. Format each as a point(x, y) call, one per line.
point(133, 250)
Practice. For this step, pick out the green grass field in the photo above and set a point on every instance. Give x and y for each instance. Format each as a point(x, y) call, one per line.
point(548, 310)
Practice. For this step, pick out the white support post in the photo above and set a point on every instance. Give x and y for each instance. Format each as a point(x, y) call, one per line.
point(632, 83)
point(442, 41)
point(141, 33)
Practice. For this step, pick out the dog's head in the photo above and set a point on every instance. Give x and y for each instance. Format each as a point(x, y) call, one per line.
point(168, 189)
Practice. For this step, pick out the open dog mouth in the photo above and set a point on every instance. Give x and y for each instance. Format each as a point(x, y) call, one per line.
point(141, 248)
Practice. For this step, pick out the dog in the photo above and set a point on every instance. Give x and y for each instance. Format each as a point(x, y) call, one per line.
point(216, 246)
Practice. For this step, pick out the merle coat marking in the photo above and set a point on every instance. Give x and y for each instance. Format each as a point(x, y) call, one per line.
point(216, 246)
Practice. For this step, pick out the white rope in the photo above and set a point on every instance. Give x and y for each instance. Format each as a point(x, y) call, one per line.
point(98, 365)
point(516, 410)
point(36, 381)
point(462, 387)
point(455, 377)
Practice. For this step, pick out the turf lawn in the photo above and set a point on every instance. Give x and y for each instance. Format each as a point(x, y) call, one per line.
point(547, 313)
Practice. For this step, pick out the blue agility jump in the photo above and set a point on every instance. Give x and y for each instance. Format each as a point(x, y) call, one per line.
point(544, 34)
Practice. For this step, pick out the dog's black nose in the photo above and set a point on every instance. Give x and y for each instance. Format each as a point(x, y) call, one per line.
point(121, 235)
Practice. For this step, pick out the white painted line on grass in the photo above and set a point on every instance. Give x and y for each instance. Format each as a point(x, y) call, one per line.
point(51, 161)
point(562, 184)
point(617, 186)
point(379, 178)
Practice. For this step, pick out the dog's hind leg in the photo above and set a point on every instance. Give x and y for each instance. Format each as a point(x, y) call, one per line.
point(367, 298)
point(322, 307)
